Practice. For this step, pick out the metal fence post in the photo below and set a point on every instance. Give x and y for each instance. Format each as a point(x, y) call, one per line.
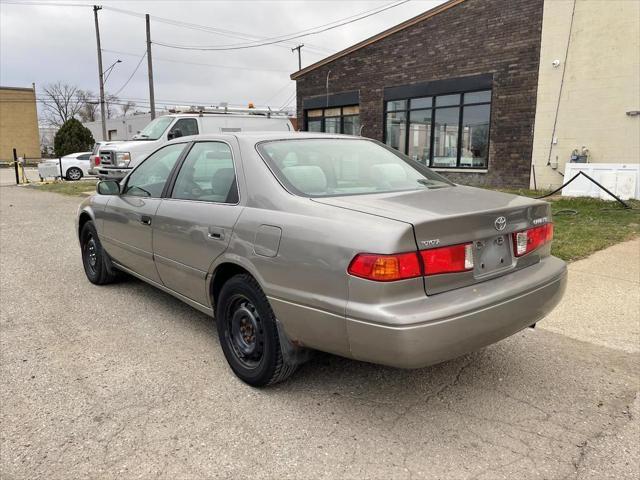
point(15, 166)
point(60, 163)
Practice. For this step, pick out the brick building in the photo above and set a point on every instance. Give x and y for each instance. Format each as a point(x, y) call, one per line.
point(454, 88)
point(18, 123)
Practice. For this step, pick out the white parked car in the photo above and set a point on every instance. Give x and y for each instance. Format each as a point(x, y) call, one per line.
point(74, 166)
point(117, 160)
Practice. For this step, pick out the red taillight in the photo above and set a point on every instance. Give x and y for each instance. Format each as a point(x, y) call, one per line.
point(456, 258)
point(96, 160)
point(528, 240)
point(385, 268)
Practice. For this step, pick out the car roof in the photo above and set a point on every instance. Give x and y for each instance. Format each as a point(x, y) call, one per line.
point(257, 137)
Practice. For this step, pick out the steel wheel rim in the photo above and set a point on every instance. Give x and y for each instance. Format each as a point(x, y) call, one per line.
point(91, 255)
point(244, 332)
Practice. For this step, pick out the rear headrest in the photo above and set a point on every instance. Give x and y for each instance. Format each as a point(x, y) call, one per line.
point(219, 155)
point(390, 172)
point(306, 178)
point(222, 180)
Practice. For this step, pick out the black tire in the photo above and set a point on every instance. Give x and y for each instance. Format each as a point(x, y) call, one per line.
point(96, 262)
point(249, 334)
point(73, 174)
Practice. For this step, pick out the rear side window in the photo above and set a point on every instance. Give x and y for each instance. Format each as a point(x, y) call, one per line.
point(317, 167)
point(207, 175)
point(86, 156)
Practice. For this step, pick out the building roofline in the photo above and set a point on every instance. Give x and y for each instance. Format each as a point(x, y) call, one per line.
point(22, 89)
point(401, 26)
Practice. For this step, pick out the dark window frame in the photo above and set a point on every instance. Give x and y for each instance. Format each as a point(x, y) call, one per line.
point(323, 117)
point(461, 105)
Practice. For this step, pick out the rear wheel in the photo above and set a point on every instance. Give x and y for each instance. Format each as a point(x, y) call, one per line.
point(96, 262)
point(249, 334)
point(74, 174)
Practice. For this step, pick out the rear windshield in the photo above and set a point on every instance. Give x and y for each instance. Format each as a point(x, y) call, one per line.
point(329, 167)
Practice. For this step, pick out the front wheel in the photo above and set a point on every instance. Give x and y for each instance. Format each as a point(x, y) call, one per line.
point(74, 174)
point(249, 334)
point(96, 263)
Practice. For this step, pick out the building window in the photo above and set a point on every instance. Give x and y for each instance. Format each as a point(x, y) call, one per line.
point(334, 120)
point(443, 131)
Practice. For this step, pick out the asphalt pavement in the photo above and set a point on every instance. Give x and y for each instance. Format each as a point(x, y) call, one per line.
point(125, 381)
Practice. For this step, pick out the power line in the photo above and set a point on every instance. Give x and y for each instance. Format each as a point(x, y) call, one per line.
point(275, 95)
point(42, 98)
point(265, 41)
point(281, 39)
point(52, 4)
point(206, 29)
point(231, 67)
point(288, 100)
point(132, 74)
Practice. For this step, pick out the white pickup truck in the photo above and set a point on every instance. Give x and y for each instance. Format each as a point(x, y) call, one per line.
point(116, 160)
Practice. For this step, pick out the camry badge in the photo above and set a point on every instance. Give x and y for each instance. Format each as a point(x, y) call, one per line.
point(431, 243)
point(500, 223)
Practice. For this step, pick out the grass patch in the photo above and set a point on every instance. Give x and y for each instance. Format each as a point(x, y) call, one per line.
point(66, 188)
point(597, 225)
point(583, 225)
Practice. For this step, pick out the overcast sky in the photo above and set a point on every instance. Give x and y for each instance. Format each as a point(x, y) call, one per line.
point(49, 43)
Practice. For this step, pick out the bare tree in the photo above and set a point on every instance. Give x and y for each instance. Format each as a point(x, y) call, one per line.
point(111, 105)
point(127, 107)
point(60, 102)
point(90, 106)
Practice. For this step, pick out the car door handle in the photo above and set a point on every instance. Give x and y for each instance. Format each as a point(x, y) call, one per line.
point(145, 219)
point(216, 233)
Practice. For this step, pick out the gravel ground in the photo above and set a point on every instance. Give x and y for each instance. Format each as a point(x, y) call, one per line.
point(125, 381)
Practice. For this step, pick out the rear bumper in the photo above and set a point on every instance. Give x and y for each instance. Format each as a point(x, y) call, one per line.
point(451, 324)
point(111, 173)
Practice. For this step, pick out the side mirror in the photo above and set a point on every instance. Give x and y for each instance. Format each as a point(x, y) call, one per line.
point(108, 187)
point(175, 133)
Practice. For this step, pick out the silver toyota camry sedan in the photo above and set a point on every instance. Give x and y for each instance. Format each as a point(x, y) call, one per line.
point(297, 242)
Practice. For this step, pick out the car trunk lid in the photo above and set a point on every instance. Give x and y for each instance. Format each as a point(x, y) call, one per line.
point(458, 215)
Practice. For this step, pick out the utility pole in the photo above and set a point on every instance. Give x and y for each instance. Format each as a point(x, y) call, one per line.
point(152, 101)
point(100, 74)
point(299, 48)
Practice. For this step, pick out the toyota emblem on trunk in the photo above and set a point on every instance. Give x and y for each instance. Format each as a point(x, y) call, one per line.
point(500, 223)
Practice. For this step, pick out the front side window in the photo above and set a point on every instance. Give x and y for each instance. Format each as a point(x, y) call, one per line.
point(183, 128)
point(333, 167)
point(443, 131)
point(154, 129)
point(207, 175)
point(344, 120)
point(149, 178)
